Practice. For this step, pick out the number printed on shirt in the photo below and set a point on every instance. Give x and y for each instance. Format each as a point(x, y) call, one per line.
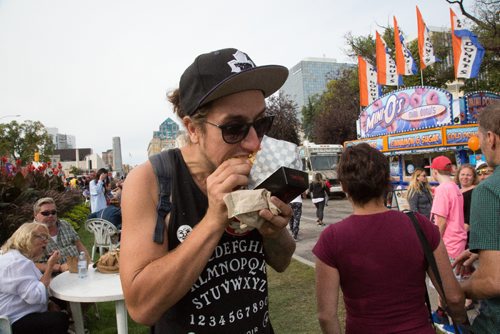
point(201, 320)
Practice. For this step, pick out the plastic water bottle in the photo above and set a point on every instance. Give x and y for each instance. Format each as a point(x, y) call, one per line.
point(82, 265)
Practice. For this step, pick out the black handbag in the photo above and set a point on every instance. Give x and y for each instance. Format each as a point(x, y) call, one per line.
point(429, 255)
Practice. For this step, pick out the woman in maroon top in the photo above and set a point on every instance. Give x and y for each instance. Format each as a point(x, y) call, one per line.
point(376, 258)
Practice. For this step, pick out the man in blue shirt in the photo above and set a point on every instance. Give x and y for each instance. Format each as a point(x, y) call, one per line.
point(111, 213)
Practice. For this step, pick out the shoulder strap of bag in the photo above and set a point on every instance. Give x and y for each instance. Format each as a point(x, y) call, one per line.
point(163, 166)
point(429, 255)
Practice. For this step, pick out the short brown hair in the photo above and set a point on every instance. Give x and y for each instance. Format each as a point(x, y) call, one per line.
point(489, 118)
point(198, 118)
point(364, 173)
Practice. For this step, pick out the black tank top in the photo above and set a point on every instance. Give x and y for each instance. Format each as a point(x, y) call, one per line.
point(230, 296)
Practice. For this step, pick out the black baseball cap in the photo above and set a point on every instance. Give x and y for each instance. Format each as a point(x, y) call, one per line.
point(224, 72)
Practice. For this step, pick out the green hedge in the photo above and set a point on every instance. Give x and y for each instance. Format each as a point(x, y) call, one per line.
point(77, 215)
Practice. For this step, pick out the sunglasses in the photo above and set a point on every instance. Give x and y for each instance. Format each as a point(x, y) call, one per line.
point(42, 237)
point(48, 213)
point(233, 133)
point(483, 172)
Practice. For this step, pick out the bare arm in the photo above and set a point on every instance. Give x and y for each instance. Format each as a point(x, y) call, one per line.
point(441, 223)
point(278, 243)
point(327, 296)
point(485, 281)
point(47, 275)
point(154, 266)
point(454, 295)
point(81, 248)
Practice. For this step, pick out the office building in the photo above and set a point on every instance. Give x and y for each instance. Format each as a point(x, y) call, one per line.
point(107, 158)
point(164, 138)
point(167, 130)
point(310, 77)
point(61, 141)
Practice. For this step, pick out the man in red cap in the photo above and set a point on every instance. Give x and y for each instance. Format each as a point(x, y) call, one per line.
point(447, 213)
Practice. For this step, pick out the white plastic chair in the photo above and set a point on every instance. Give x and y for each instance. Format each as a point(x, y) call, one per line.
point(105, 234)
point(5, 325)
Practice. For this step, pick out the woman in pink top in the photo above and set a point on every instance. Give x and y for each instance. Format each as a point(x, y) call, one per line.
point(375, 256)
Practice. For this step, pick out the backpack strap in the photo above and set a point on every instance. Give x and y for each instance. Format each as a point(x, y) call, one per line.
point(163, 168)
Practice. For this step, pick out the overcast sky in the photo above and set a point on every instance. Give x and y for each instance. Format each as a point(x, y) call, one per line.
point(97, 69)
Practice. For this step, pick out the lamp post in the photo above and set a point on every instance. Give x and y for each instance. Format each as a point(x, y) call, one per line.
point(2, 117)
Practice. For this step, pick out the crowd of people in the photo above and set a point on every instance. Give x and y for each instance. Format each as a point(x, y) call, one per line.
point(185, 269)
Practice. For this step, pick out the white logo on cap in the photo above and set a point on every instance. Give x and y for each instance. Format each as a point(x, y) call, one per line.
point(240, 62)
point(183, 232)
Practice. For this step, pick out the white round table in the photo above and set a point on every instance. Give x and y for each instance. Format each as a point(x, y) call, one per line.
point(96, 287)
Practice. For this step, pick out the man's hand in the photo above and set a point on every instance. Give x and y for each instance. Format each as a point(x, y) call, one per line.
point(231, 175)
point(463, 263)
point(273, 225)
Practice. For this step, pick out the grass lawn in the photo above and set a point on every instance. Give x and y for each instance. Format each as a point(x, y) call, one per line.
point(291, 294)
point(292, 300)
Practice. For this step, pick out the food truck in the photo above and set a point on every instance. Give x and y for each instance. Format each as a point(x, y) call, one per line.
point(415, 124)
point(322, 158)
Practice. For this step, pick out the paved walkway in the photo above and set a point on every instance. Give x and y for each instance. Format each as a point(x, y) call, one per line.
point(310, 231)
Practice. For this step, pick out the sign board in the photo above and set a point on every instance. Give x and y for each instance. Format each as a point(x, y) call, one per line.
point(399, 200)
point(459, 135)
point(476, 101)
point(415, 140)
point(404, 110)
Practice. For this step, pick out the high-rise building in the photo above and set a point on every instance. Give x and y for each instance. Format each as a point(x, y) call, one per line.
point(168, 130)
point(164, 138)
point(117, 156)
point(310, 77)
point(107, 158)
point(61, 141)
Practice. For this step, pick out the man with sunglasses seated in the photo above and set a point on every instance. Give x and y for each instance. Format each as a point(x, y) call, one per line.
point(63, 236)
point(182, 265)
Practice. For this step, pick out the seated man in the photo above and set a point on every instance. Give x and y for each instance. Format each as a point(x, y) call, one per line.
point(63, 236)
point(111, 213)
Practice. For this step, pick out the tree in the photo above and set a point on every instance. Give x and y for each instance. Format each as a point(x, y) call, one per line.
point(339, 110)
point(286, 124)
point(361, 46)
point(75, 171)
point(22, 140)
point(309, 112)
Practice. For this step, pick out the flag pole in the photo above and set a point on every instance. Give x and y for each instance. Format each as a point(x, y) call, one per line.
point(421, 77)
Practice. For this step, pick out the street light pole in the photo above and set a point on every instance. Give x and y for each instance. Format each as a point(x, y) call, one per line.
point(2, 117)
